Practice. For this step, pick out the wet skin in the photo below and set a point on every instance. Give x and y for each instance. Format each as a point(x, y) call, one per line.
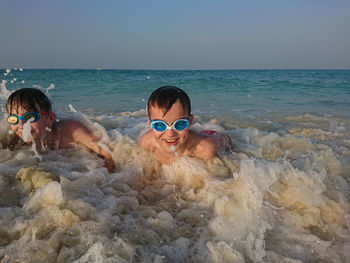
point(169, 145)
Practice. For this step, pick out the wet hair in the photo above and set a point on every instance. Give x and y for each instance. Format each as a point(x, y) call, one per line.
point(164, 98)
point(29, 99)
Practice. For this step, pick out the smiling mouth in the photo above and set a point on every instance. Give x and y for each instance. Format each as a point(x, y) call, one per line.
point(172, 142)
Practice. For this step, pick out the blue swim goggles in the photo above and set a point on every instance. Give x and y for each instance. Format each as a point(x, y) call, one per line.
point(14, 119)
point(178, 125)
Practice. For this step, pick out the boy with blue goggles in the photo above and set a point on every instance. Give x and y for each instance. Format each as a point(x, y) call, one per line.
point(170, 136)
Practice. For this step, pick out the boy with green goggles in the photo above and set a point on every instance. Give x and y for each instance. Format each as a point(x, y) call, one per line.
point(29, 106)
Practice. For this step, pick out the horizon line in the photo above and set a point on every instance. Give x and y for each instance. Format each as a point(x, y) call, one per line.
point(140, 69)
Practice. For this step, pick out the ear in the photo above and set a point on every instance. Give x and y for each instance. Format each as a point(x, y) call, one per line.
point(191, 120)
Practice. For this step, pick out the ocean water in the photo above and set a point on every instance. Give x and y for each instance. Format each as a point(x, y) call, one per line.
point(280, 195)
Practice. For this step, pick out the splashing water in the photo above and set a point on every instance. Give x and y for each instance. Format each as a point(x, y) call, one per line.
point(7, 72)
point(72, 108)
point(4, 92)
point(281, 195)
point(104, 138)
point(50, 87)
point(27, 137)
point(27, 131)
point(256, 204)
point(103, 133)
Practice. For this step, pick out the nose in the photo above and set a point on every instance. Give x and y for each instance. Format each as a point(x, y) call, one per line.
point(171, 132)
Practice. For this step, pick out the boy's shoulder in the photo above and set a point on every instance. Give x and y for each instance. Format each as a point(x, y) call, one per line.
point(146, 140)
point(203, 146)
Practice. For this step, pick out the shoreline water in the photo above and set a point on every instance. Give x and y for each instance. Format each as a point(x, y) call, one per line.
point(281, 195)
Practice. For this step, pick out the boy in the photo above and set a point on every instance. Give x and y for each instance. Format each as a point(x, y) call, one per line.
point(32, 120)
point(169, 117)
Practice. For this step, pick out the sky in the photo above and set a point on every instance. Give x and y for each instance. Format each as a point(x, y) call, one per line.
point(179, 34)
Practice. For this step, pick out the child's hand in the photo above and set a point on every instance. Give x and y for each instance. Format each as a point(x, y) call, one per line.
point(109, 164)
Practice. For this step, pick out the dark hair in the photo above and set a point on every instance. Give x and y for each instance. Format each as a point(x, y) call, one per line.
point(30, 99)
point(164, 98)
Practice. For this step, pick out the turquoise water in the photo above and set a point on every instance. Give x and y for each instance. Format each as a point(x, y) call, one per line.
point(231, 92)
point(281, 194)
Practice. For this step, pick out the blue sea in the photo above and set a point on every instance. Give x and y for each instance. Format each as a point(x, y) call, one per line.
point(235, 93)
point(280, 195)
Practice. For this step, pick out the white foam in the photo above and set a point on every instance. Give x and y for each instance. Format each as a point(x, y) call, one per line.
point(94, 254)
point(48, 195)
point(274, 193)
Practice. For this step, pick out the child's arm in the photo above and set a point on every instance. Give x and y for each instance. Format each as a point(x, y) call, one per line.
point(81, 134)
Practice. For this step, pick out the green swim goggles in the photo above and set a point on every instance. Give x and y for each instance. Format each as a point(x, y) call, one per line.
point(14, 119)
point(178, 125)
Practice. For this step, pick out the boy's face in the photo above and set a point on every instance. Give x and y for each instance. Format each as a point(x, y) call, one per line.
point(170, 140)
point(39, 128)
